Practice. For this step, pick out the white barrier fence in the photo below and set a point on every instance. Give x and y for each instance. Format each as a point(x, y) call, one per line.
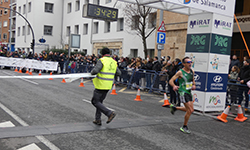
point(28, 63)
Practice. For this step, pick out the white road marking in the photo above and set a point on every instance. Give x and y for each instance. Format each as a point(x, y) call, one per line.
point(88, 101)
point(6, 124)
point(32, 146)
point(23, 123)
point(22, 78)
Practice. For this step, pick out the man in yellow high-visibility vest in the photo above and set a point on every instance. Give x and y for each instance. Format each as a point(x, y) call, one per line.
point(105, 69)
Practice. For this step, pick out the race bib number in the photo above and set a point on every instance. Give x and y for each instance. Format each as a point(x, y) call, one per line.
point(189, 85)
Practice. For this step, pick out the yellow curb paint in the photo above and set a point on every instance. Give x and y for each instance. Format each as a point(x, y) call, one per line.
point(123, 89)
point(161, 101)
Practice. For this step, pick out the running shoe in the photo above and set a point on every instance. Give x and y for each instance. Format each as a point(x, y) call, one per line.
point(97, 122)
point(172, 109)
point(185, 130)
point(111, 117)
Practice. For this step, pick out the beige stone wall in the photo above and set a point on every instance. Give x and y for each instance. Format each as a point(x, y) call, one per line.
point(110, 45)
point(176, 27)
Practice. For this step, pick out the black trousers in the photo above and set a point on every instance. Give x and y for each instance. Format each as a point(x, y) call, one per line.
point(97, 101)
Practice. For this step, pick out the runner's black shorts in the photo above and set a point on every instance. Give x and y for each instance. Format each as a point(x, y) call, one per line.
point(186, 98)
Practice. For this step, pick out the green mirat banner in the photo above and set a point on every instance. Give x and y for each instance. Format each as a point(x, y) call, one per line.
point(198, 43)
point(221, 44)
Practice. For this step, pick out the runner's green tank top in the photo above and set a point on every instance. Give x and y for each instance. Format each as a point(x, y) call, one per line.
point(186, 82)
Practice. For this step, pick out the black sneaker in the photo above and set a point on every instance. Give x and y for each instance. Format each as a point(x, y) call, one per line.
point(111, 117)
point(185, 130)
point(97, 122)
point(172, 109)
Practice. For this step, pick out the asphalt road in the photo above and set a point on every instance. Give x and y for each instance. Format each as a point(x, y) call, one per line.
point(53, 115)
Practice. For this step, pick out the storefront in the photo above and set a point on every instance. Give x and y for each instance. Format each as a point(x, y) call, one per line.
point(238, 46)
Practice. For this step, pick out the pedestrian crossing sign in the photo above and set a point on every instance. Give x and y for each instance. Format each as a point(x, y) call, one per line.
point(162, 27)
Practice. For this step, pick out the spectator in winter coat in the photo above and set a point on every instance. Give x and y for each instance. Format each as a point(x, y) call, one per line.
point(149, 68)
point(232, 88)
point(157, 68)
point(244, 76)
point(177, 65)
point(234, 62)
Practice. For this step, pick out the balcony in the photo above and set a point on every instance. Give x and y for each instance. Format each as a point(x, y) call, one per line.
point(13, 40)
point(13, 26)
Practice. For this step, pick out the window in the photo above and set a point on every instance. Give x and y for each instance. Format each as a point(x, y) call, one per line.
point(151, 53)
point(24, 9)
point(108, 1)
point(69, 7)
point(152, 20)
point(133, 52)
point(5, 0)
point(0, 36)
point(120, 23)
point(97, 2)
point(84, 51)
point(5, 24)
point(48, 30)
point(85, 28)
point(77, 5)
point(135, 22)
point(5, 11)
point(76, 29)
point(95, 27)
point(19, 9)
point(28, 31)
point(49, 7)
point(23, 33)
point(68, 31)
point(86, 2)
point(29, 9)
point(0, 24)
point(4, 36)
point(107, 26)
point(1, 12)
point(239, 6)
point(18, 31)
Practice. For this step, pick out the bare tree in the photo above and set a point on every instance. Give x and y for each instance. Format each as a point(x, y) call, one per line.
point(137, 17)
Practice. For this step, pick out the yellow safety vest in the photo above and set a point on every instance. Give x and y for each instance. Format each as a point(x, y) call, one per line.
point(104, 79)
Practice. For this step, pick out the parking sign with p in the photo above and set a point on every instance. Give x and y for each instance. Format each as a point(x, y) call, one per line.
point(161, 37)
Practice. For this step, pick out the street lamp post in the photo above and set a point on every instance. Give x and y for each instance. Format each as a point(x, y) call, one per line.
point(33, 35)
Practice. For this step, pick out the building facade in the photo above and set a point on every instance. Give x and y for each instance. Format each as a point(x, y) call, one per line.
point(4, 23)
point(56, 20)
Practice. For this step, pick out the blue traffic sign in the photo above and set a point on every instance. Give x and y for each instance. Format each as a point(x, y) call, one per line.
point(42, 40)
point(161, 37)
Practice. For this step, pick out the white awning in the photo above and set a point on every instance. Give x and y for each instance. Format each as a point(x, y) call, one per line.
point(189, 7)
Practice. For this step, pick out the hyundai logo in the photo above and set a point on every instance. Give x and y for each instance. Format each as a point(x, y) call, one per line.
point(196, 77)
point(217, 79)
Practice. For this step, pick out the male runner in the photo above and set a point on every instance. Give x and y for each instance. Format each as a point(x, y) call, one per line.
point(186, 81)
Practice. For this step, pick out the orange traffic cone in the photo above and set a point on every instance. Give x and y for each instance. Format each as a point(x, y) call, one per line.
point(20, 70)
point(81, 83)
point(223, 116)
point(16, 69)
point(40, 73)
point(27, 71)
point(63, 81)
point(166, 102)
point(138, 96)
point(240, 116)
point(30, 72)
point(51, 75)
point(113, 91)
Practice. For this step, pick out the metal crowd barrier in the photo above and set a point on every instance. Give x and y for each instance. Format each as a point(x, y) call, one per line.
point(237, 93)
point(148, 80)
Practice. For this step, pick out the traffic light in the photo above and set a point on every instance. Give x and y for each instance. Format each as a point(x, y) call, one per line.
point(32, 45)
